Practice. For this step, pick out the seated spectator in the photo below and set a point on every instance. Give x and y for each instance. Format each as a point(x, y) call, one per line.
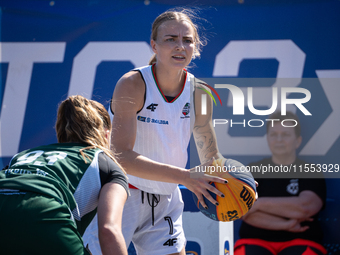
point(284, 218)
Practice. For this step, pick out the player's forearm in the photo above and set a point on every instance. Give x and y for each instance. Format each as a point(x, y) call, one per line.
point(112, 241)
point(143, 167)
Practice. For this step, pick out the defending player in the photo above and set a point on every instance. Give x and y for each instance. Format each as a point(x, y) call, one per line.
point(151, 132)
point(49, 194)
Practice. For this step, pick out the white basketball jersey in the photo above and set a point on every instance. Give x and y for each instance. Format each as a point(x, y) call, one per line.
point(163, 130)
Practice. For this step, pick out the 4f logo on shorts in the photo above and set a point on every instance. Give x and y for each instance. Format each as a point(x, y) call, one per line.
point(170, 242)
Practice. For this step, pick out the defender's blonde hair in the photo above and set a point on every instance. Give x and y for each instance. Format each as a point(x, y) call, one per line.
point(84, 121)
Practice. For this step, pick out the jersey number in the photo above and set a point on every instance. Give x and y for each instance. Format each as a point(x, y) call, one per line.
point(33, 155)
point(171, 241)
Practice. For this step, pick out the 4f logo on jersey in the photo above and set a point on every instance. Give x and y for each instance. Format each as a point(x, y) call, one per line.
point(170, 242)
point(152, 107)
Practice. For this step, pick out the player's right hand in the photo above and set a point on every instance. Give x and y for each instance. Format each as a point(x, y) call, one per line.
point(199, 182)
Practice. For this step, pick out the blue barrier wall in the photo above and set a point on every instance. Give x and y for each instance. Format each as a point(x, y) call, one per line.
point(50, 49)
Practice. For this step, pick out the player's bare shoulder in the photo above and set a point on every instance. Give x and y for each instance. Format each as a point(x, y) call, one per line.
point(131, 82)
point(130, 89)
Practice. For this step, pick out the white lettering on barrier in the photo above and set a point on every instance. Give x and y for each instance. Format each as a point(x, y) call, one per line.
point(329, 131)
point(21, 58)
point(85, 63)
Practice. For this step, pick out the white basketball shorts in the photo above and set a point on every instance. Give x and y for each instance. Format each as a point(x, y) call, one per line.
point(152, 222)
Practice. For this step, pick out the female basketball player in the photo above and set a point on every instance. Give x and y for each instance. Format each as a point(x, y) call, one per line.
point(151, 132)
point(49, 194)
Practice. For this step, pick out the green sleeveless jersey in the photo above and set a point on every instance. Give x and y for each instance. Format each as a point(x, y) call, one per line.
point(60, 171)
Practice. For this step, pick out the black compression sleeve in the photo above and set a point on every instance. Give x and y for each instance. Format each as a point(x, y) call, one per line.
point(111, 172)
